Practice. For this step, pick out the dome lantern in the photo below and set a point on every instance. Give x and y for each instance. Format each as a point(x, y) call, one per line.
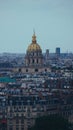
point(34, 46)
point(34, 38)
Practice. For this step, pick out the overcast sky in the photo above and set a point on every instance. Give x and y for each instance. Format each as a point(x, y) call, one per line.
point(51, 19)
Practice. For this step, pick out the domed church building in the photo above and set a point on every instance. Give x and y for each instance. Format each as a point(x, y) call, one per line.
point(34, 55)
point(34, 60)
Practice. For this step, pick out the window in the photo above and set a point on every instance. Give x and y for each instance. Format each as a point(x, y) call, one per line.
point(37, 53)
point(37, 61)
point(29, 61)
point(45, 70)
point(17, 128)
point(26, 70)
point(22, 119)
point(10, 122)
point(17, 119)
point(22, 127)
point(19, 69)
point(10, 128)
point(36, 70)
point(33, 61)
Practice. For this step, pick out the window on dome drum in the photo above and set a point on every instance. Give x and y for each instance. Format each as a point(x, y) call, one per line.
point(29, 61)
point(19, 69)
point(33, 61)
point(37, 53)
point(36, 70)
point(37, 60)
point(26, 70)
point(45, 70)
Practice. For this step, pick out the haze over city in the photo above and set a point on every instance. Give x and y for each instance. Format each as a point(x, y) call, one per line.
point(51, 19)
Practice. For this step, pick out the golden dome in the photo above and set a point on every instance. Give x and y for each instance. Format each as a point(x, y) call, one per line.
point(34, 45)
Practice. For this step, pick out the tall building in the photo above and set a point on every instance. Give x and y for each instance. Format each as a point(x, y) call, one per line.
point(47, 55)
point(57, 51)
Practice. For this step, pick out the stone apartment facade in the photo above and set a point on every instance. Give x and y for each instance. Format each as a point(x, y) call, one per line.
point(18, 112)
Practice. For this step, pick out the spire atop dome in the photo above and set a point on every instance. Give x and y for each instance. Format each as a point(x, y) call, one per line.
point(34, 32)
point(34, 37)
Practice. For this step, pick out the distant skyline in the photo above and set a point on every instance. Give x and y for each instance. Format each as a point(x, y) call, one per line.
point(51, 19)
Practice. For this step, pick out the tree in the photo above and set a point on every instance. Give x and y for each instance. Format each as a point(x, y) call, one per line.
point(52, 122)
